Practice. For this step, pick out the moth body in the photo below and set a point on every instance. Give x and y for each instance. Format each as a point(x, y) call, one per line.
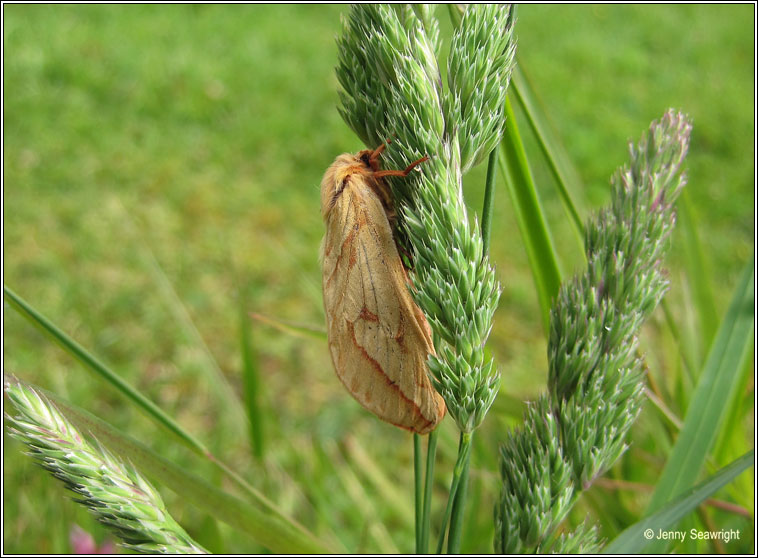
point(379, 339)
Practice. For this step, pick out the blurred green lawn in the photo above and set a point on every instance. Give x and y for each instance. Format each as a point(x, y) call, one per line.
point(158, 149)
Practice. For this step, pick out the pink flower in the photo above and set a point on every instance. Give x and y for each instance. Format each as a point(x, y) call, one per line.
point(84, 543)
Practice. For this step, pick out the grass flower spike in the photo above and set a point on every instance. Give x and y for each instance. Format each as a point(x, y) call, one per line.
point(113, 490)
point(392, 88)
point(596, 376)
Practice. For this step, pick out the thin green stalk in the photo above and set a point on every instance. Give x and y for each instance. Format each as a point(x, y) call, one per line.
point(431, 453)
point(456, 521)
point(464, 450)
point(489, 198)
point(417, 488)
point(89, 361)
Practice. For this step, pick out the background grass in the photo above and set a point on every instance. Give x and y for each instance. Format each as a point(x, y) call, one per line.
point(157, 148)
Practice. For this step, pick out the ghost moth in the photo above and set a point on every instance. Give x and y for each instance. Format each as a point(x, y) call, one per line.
point(379, 339)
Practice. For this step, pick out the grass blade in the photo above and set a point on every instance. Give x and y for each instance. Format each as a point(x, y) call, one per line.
point(558, 160)
point(92, 363)
point(731, 438)
point(531, 221)
point(633, 540)
point(455, 11)
point(264, 522)
point(251, 381)
point(489, 201)
point(697, 272)
point(713, 395)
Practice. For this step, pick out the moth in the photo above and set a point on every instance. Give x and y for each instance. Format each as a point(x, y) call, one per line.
point(379, 339)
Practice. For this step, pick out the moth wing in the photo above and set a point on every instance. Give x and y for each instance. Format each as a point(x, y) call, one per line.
point(378, 338)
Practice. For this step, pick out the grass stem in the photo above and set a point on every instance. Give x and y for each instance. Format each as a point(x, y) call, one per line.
point(431, 453)
point(417, 488)
point(456, 520)
point(464, 450)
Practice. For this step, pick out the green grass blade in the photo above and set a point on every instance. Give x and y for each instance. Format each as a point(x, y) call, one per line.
point(685, 353)
point(489, 201)
point(250, 380)
point(262, 521)
point(531, 221)
point(93, 364)
point(633, 541)
point(558, 160)
point(713, 395)
point(697, 272)
point(732, 439)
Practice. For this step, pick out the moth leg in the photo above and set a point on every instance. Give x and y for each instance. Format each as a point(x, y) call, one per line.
point(405, 172)
point(374, 159)
point(383, 190)
point(378, 151)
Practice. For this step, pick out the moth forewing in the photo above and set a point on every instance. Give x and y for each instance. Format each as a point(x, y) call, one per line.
point(379, 339)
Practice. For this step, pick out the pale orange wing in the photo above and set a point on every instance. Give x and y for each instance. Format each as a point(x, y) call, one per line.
point(378, 338)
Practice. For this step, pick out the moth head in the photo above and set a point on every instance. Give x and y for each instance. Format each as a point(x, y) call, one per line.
point(337, 177)
point(370, 158)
